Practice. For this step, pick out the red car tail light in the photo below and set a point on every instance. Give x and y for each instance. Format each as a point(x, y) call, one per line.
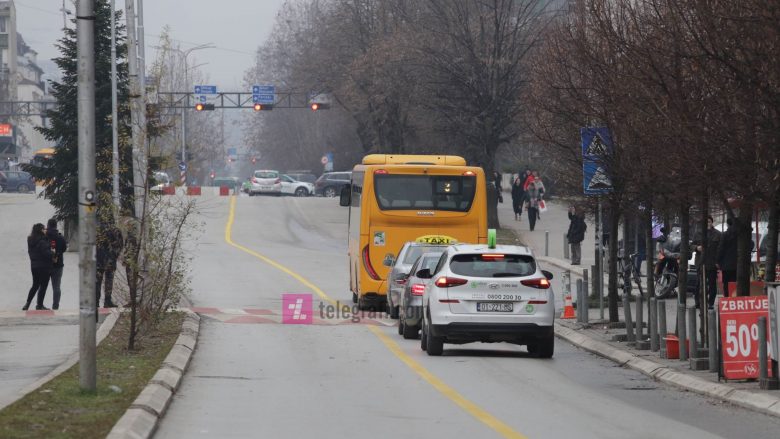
point(367, 264)
point(540, 283)
point(418, 289)
point(447, 282)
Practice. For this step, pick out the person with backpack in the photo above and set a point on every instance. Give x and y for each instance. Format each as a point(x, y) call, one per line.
point(58, 247)
point(39, 250)
point(576, 234)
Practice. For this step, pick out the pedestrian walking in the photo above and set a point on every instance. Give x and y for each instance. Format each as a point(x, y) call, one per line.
point(109, 246)
point(727, 256)
point(499, 189)
point(532, 198)
point(539, 187)
point(518, 197)
point(576, 234)
point(528, 179)
point(39, 250)
point(707, 261)
point(58, 247)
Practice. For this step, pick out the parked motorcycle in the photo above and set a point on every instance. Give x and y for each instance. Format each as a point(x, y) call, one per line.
point(667, 269)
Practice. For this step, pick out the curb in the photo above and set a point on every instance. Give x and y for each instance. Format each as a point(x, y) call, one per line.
point(560, 263)
point(101, 333)
point(141, 419)
point(759, 402)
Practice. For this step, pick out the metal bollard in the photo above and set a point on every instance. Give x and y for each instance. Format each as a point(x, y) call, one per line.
point(565, 247)
point(582, 306)
point(627, 317)
point(640, 317)
point(763, 373)
point(586, 296)
point(661, 312)
point(547, 243)
point(712, 324)
point(652, 323)
point(681, 332)
point(568, 280)
point(694, 349)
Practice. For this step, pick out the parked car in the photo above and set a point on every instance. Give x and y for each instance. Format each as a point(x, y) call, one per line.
point(266, 182)
point(484, 294)
point(305, 176)
point(330, 183)
point(160, 180)
point(291, 186)
point(16, 181)
point(410, 305)
point(401, 264)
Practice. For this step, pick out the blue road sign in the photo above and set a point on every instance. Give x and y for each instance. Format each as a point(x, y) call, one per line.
point(596, 151)
point(263, 94)
point(231, 151)
point(205, 89)
point(202, 99)
point(182, 166)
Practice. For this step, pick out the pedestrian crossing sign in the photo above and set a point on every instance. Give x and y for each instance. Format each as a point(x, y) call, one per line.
point(596, 152)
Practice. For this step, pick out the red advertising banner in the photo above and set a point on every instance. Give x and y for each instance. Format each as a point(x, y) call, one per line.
point(739, 335)
point(6, 130)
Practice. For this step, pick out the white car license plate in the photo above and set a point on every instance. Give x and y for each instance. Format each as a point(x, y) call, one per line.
point(266, 188)
point(495, 306)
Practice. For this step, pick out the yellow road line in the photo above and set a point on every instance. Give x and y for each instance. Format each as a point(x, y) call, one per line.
point(474, 410)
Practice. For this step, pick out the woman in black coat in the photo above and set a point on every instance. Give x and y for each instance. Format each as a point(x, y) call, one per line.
point(518, 195)
point(41, 263)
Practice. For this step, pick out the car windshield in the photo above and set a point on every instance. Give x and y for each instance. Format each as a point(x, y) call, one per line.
point(436, 192)
point(479, 265)
point(415, 252)
point(266, 174)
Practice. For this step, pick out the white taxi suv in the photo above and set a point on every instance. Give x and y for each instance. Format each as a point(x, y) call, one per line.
point(488, 293)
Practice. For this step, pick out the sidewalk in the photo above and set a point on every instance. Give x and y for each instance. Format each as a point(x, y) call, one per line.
point(599, 338)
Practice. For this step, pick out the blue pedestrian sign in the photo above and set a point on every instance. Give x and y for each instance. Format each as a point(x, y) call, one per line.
point(205, 89)
point(182, 166)
point(596, 152)
point(202, 99)
point(263, 94)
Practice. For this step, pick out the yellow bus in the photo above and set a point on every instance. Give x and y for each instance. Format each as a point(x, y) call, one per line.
point(394, 199)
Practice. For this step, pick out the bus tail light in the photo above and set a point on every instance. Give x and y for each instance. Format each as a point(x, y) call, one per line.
point(367, 263)
point(469, 174)
point(418, 289)
point(540, 283)
point(447, 282)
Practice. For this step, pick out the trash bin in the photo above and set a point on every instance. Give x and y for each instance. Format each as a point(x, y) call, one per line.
point(224, 191)
point(673, 346)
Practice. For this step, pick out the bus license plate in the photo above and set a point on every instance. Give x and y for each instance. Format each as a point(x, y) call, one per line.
point(495, 306)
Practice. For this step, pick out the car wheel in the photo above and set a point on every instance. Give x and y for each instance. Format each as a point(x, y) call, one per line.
point(410, 332)
point(301, 192)
point(329, 192)
point(22, 188)
point(401, 326)
point(1, 189)
point(543, 347)
point(435, 345)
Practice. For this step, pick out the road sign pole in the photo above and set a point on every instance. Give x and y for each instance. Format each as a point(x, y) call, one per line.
point(85, 35)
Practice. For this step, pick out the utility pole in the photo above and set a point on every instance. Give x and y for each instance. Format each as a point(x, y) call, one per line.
point(85, 34)
point(135, 109)
point(142, 87)
point(114, 121)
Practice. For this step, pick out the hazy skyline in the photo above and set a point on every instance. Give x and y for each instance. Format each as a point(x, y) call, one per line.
point(235, 27)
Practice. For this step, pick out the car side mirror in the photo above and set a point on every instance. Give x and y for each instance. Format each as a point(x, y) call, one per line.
point(425, 273)
point(389, 260)
point(547, 274)
point(346, 197)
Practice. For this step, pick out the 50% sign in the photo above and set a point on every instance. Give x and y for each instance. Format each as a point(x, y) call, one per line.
point(739, 334)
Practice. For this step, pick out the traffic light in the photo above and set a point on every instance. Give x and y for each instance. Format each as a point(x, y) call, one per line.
point(319, 106)
point(263, 107)
point(200, 107)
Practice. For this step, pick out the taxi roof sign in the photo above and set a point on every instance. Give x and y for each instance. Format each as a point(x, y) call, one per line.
point(491, 238)
point(413, 159)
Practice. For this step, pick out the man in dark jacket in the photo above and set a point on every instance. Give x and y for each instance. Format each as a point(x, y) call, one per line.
point(576, 234)
point(707, 260)
point(727, 255)
point(39, 250)
point(58, 248)
point(109, 246)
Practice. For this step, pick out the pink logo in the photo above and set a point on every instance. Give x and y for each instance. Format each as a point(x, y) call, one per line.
point(297, 309)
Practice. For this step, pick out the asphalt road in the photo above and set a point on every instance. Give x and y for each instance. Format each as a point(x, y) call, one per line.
point(257, 378)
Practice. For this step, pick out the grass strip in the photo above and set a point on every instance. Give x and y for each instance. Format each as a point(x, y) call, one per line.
point(59, 409)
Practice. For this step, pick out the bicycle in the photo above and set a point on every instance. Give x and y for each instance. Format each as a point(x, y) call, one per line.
point(630, 272)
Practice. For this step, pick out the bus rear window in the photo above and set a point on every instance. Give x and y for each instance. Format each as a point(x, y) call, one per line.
point(425, 192)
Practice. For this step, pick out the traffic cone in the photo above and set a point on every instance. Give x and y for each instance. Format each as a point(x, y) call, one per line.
point(568, 308)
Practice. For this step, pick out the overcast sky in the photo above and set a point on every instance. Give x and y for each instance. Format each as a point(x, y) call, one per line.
point(236, 27)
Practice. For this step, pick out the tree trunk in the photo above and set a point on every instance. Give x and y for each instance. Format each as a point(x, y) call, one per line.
point(492, 206)
point(771, 239)
point(744, 240)
point(612, 295)
point(649, 254)
point(700, 274)
point(71, 233)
